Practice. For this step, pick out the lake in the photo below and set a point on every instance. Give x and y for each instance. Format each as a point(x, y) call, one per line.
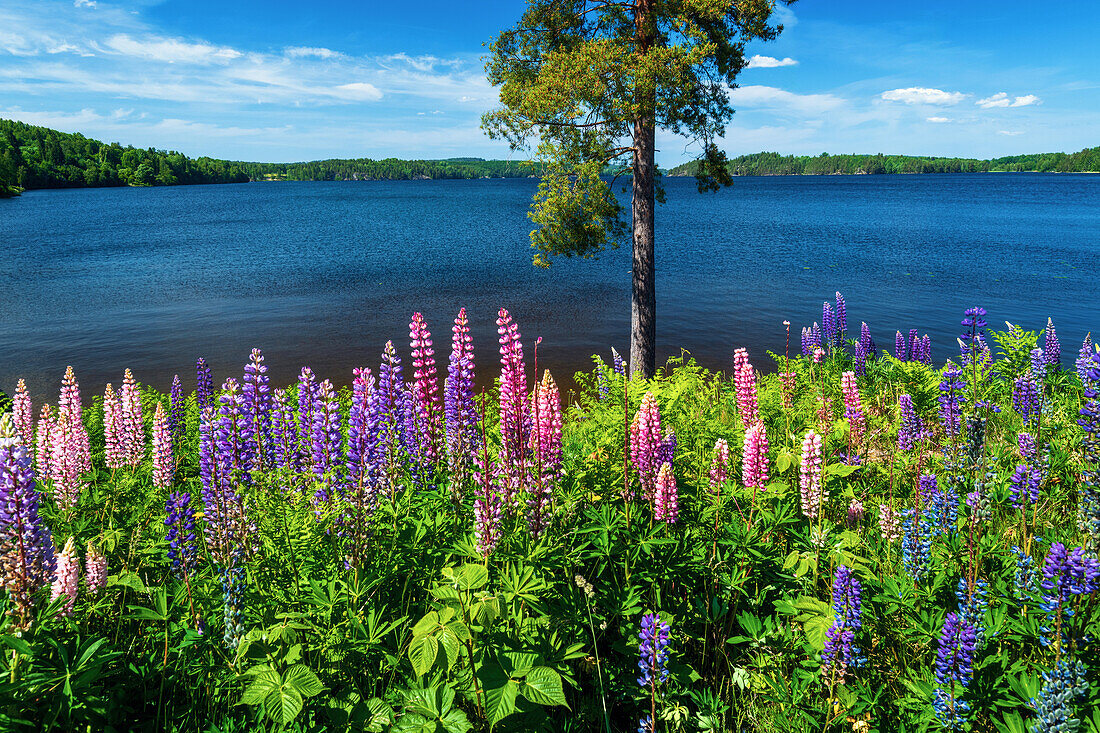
point(325, 273)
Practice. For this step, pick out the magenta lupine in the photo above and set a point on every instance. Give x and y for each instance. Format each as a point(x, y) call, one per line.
point(425, 390)
point(459, 408)
point(719, 465)
point(133, 430)
point(745, 381)
point(164, 465)
point(546, 452)
point(67, 579)
point(114, 451)
point(22, 413)
point(811, 482)
point(853, 408)
point(70, 413)
point(43, 433)
point(26, 547)
point(488, 503)
point(515, 415)
point(666, 506)
point(95, 570)
point(645, 440)
point(754, 458)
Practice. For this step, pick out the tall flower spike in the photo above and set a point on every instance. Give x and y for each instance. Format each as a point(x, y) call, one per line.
point(176, 408)
point(754, 458)
point(364, 462)
point(70, 412)
point(164, 465)
point(954, 671)
point(307, 406)
point(853, 408)
point(180, 521)
point(645, 438)
point(1025, 397)
point(95, 570)
point(909, 432)
point(68, 576)
point(22, 413)
point(286, 449)
point(204, 384)
point(114, 451)
point(26, 547)
point(515, 417)
point(951, 399)
point(719, 465)
point(546, 450)
point(463, 439)
point(666, 505)
point(840, 651)
point(889, 523)
point(866, 341)
point(1084, 359)
point(256, 406)
point(327, 461)
point(425, 389)
point(828, 323)
point(133, 430)
point(487, 504)
point(653, 651)
point(811, 482)
point(43, 433)
point(901, 350)
point(841, 318)
point(745, 381)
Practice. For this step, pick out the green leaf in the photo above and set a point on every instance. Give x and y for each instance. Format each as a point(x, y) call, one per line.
point(471, 577)
point(455, 721)
point(500, 693)
point(301, 679)
point(283, 705)
point(542, 685)
point(422, 653)
point(517, 664)
point(264, 682)
point(381, 715)
point(427, 624)
point(450, 644)
point(782, 462)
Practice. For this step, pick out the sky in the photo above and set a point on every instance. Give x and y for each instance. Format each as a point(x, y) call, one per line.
point(278, 81)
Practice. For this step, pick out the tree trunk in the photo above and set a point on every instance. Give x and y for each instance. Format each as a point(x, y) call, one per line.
point(643, 300)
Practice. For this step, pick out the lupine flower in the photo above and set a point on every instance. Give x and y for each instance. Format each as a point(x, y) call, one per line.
point(114, 454)
point(487, 504)
point(1084, 359)
point(164, 465)
point(665, 500)
point(943, 506)
point(618, 365)
point(388, 411)
point(853, 409)
point(1066, 573)
point(1025, 581)
point(285, 444)
point(914, 345)
point(754, 458)
point(67, 579)
point(1038, 364)
point(95, 570)
point(828, 324)
point(645, 438)
point(1025, 397)
point(811, 481)
point(901, 348)
point(26, 546)
point(425, 389)
point(954, 671)
point(856, 513)
point(818, 355)
point(222, 452)
point(859, 360)
point(365, 459)
point(719, 465)
point(745, 381)
point(787, 380)
point(43, 433)
point(910, 429)
point(176, 407)
point(308, 404)
point(866, 341)
point(256, 407)
point(233, 588)
point(204, 385)
point(133, 430)
point(327, 462)
point(180, 521)
point(841, 318)
point(840, 652)
point(1052, 348)
point(889, 523)
point(459, 408)
point(653, 640)
point(22, 413)
point(974, 321)
point(916, 542)
point(808, 343)
point(951, 399)
point(546, 452)
point(69, 455)
point(1024, 487)
point(603, 386)
point(1063, 687)
point(1088, 505)
point(515, 417)
point(973, 604)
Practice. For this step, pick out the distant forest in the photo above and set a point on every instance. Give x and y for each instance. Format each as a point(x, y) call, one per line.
point(37, 157)
point(774, 164)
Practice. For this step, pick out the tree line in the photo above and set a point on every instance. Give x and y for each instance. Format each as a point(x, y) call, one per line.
point(774, 164)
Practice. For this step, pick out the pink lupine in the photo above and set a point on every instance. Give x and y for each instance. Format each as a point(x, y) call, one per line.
point(133, 431)
point(65, 463)
point(95, 570)
point(67, 578)
point(164, 466)
point(515, 416)
point(70, 413)
point(744, 380)
point(42, 435)
point(665, 501)
point(22, 414)
point(889, 523)
point(114, 450)
point(719, 464)
point(811, 483)
point(856, 513)
point(487, 503)
point(425, 389)
point(853, 409)
point(545, 451)
point(754, 457)
point(645, 440)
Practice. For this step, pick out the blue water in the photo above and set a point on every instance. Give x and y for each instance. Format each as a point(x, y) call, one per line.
point(324, 273)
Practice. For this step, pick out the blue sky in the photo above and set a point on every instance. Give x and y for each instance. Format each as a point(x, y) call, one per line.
point(275, 80)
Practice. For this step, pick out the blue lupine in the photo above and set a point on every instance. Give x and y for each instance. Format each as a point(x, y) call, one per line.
point(180, 520)
point(943, 506)
point(1038, 364)
point(925, 355)
point(233, 587)
point(974, 321)
point(603, 387)
point(1025, 581)
point(841, 318)
point(954, 671)
point(1025, 397)
point(916, 543)
point(1088, 506)
point(839, 652)
point(364, 452)
point(327, 463)
point(910, 429)
point(914, 345)
point(653, 641)
point(308, 404)
point(1063, 687)
point(973, 605)
point(617, 363)
point(951, 399)
point(204, 387)
point(1024, 487)
point(859, 360)
point(828, 324)
point(175, 416)
point(1084, 359)
point(1066, 573)
point(901, 349)
point(1052, 348)
point(256, 406)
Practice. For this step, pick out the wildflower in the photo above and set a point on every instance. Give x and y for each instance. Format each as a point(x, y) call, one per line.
point(951, 399)
point(487, 504)
point(645, 439)
point(745, 382)
point(204, 384)
point(719, 464)
point(853, 409)
point(67, 578)
point(1052, 348)
point(973, 603)
point(916, 543)
point(787, 380)
point(840, 652)
point(866, 341)
point(954, 671)
point(754, 458)
point(1063, 687)
point(901, 347)
point(974, 321)
point(910, 429)
point(43, 432)
point(133, 430)
point(328, 463)
point(1066, 573)
point(113, 440)
point(175, 415)
point(889, 523)
point(233, 588)
point(95, 569)
point(665, 501)
point(425, 389)
point(515, 417)
point(818, 355)
point(811, 483)
point(285, 444)
point(459, 409)
point(841, 318)
point(855, 513)
point(256, 406)
point(1084, 359)
point(180, 521)
point(1025, 397)
point(546, 450)
point(618, 365)
point(164, 466)
point(22, 413)
point(653, 640)
point(828, 324)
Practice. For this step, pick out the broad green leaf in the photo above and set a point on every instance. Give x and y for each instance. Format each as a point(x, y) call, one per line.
point(381, 715)
point(471, 577)
point(455, 721)
point(542, 685)
point(264, 682)
point(517, 664)
point(427, 624)
point(500, 693)
point(451, 647)
point(422, 653)
point(283, 705)
point(302, 679)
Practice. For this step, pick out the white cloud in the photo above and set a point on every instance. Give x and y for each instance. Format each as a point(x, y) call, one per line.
point(1010, 132)
point(923, 95)
point(769, 62)
point(937, 119)
point(171, 50)
point(298, 52)
point(782, 100)
point(1001, 99)
point(84, 3)
point(359, 90)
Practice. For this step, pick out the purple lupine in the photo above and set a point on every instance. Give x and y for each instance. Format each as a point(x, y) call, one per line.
point(807, 341)
point(515, 417)
point(859, 360)
point(1052, 348)
point(1024, 487)
point(285, 444)
point(841, 318)
point(176, 425)
point(914, 345)
point(180, 521)
point(364, 452)
point(828, 324)
point(488, 503)
point(867, 341)
point(910, 429)
point(974, 321)
point(460, 410)
point(327, 463)
point(388, 413)
point(951, 399)
point(1038, 364)
point(954, 670)
point(256, 405)
point(840, 652)
point(901, 350)
point(925, 350)
point(204, 385)
point(653, 641)
point(1025, 397)
point(307, 408)
point(1084, 359)
point(26, 546)
point(546, 452)
point(425, 390)
point(1066, 573)
point(617, 363)
point(221, 457)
